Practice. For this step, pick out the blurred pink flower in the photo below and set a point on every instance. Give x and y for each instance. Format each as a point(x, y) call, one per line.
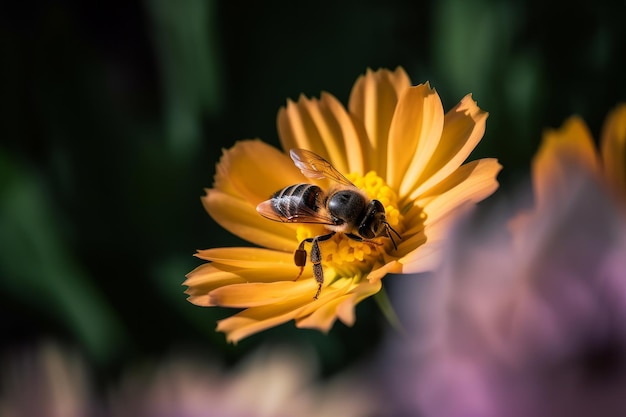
point(528, 320)
point(271, 383)
point(45, 382)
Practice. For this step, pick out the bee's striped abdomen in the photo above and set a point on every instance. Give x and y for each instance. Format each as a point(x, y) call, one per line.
point(290, 200)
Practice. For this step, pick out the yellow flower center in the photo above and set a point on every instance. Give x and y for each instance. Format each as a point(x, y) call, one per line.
point(343, 256)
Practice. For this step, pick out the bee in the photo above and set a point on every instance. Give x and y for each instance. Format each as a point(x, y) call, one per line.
point(342, 209)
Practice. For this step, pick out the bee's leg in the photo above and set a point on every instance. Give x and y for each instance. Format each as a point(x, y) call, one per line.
point(318, 272)
point(353, 237)
point(360, 239)
point(316, 260)
point(299, 256)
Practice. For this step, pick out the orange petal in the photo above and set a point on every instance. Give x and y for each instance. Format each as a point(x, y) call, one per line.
point(571, 144)
point(372, 103)
point(443, 204)
point(329, 292)
point(413, 235)
point(324, 316)
point(253, 264)
point(256, 319)
point(345, 310)
point(246, 257)
point(255, 170)
point(463, 128)
point(410, 243)
point(362, 291)
point(336, 301)
point(471, 183)
point(413, 137)
point(377, 274)
point(206, 278)
point(260, 294)
point(241, 218)
point(425, 258)
point(208, 274)
point(613, 146)
point(268, 273)
point(324, 127)
point(428, 245)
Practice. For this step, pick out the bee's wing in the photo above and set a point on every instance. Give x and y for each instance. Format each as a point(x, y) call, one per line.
point(301, 214)
point(314, 166)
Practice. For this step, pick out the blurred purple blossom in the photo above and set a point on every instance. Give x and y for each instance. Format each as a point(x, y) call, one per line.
point(45, 382)
point(524, 318)
point(273, 382)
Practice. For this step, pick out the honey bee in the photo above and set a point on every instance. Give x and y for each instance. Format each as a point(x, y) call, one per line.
point(342, 209)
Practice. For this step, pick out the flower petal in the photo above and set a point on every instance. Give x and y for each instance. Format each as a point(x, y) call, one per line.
point(241, 218)
point(428, 244)
point(414, 134)
point(338, 306)
point(571, 144)
point(329, 292)
point(424, 258)
point(206, 278)
point(613, 147)
point(372, 103)
point(324, 317)
point(378, 271)
point(268, 273)
point(463, 128)
point(255, 170)
point(471, 183)
point(239, 266)
point(247, 257)
point(254, 294)
point(345, 310)
point(256, 319)
point(322, 126)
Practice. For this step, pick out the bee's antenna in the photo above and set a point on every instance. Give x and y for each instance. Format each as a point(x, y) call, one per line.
point(390, 236)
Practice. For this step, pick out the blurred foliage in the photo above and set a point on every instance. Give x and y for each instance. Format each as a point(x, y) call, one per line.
point(114, 116)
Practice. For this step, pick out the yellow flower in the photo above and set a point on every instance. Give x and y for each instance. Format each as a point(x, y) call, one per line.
point(573, 143)
point(395, 143)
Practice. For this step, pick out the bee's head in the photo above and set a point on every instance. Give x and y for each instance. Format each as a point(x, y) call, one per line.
point(375, 223)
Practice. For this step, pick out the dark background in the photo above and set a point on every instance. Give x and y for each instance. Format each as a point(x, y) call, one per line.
point(114, 115)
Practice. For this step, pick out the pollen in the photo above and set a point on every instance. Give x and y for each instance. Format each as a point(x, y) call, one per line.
point(341, 252)
point(376, 189)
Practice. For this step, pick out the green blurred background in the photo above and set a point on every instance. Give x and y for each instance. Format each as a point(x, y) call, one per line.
point(114, 116)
